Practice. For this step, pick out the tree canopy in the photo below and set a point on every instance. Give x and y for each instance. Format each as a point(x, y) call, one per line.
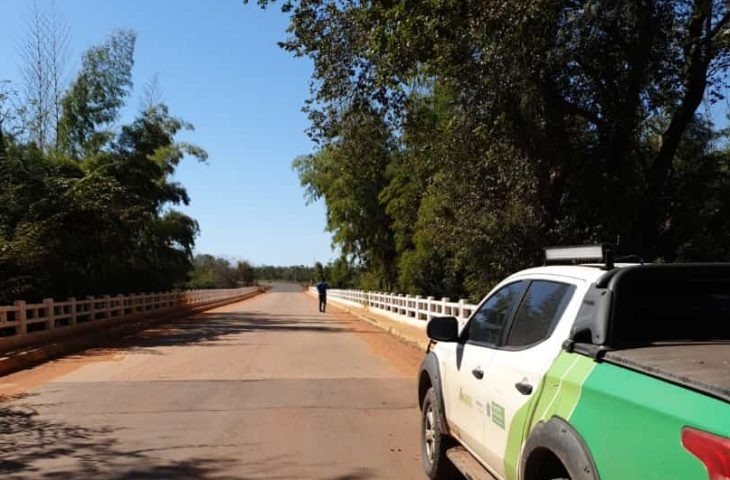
point(94, 214)
point(212, 272)
point(504, 127)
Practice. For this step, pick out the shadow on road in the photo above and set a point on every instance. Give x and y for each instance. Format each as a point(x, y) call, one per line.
point(32, 447)
point(210, 328)
point(36, 447)
point(214, 329)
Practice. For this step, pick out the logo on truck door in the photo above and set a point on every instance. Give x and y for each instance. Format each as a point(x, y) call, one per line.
point(488, 409)
point(464, 398)
point(498, 415)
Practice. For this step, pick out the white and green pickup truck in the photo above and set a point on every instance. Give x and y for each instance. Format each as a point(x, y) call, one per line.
point(584, 372)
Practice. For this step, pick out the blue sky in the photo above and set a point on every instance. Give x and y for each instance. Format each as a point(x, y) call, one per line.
point(219, 68)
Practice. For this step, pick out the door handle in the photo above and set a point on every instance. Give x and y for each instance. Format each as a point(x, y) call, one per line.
point(523, 387)
point(478, 372)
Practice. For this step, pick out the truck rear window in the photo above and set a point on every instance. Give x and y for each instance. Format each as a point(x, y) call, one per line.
point(674, 310)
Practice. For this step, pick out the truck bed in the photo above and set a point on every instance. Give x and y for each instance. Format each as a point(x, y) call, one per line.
point(702, 366)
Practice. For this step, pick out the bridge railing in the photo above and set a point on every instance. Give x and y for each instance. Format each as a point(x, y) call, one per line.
point(22, 319)
point(403, 306)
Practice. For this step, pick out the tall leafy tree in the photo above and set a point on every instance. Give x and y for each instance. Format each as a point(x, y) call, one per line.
point(349, 173)
point(97, 215)
point(95, 97)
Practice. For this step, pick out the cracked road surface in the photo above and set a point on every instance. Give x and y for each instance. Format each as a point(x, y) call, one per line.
point(268, 388)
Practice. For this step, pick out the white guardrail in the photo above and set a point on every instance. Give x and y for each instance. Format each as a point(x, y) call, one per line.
point(23, 318)
point(415, 310)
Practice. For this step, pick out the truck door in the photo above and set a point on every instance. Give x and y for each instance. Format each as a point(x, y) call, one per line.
point(530, 344)
point(467, 378)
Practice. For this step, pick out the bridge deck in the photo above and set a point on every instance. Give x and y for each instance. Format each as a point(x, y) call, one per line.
point(266, 388)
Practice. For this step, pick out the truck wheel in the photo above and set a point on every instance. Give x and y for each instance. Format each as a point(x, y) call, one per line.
point(435, 441)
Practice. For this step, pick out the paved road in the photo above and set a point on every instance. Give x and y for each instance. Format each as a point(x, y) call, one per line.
point(266, 388)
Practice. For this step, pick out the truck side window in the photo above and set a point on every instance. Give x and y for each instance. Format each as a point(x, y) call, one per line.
point(488, 322)
point(539, 312)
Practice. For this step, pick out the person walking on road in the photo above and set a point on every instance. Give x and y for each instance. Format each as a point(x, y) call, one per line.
point(322, 290)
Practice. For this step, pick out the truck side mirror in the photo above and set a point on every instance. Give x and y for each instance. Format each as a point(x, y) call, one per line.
point(443, 329)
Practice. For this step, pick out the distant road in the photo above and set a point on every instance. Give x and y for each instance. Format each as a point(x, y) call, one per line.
point(268, 388)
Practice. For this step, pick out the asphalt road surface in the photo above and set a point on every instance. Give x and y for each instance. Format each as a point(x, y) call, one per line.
point(266, 388)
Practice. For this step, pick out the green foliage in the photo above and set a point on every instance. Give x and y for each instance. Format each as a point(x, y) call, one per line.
point(95, 216)
point(349, 174)
point(212, 272)
point(319, 273)
point(294, 273)
point(97, 94)
point(459, 138)
point(341, 274)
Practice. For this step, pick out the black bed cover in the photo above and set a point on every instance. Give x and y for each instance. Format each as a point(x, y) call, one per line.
point(701, 366)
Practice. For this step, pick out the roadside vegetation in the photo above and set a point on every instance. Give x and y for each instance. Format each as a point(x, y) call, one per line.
point(86, 201)
point(293, 273)
point(456, 139)
point(212, 272)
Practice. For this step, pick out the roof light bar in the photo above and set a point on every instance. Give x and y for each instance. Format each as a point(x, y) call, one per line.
point(602, 253)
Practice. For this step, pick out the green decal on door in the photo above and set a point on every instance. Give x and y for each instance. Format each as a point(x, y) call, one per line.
point(557, 394)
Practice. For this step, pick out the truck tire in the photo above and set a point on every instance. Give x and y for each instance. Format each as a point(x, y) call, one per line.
point(435, 440)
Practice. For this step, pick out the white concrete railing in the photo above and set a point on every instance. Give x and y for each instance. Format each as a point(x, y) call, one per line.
point(412, 309)
point(23, 318)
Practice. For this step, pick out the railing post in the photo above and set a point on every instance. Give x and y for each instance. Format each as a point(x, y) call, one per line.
point(72, 310)
point(461, 308)
point(92, 308)
point(444, 301)
point(20, 316)
point(429, 308)
point(50, 314)
point(417, 313)
point(122, 307)
point(107, 306)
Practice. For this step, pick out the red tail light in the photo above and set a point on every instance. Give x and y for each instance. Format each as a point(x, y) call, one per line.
point(712, 450)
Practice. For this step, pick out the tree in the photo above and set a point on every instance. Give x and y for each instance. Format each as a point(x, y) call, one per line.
point(6, 114)
point(349, 173)
point(57, 52)
point(212, 272)
point(340, 273)
point(36, 77)
point(44, 52)
point(95, 97)
point(509, 126)
point(244, 274)
point(98, 216)
point(293, 273)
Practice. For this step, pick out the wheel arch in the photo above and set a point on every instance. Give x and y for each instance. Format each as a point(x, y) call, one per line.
point(554, 444)
point(429, 375)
